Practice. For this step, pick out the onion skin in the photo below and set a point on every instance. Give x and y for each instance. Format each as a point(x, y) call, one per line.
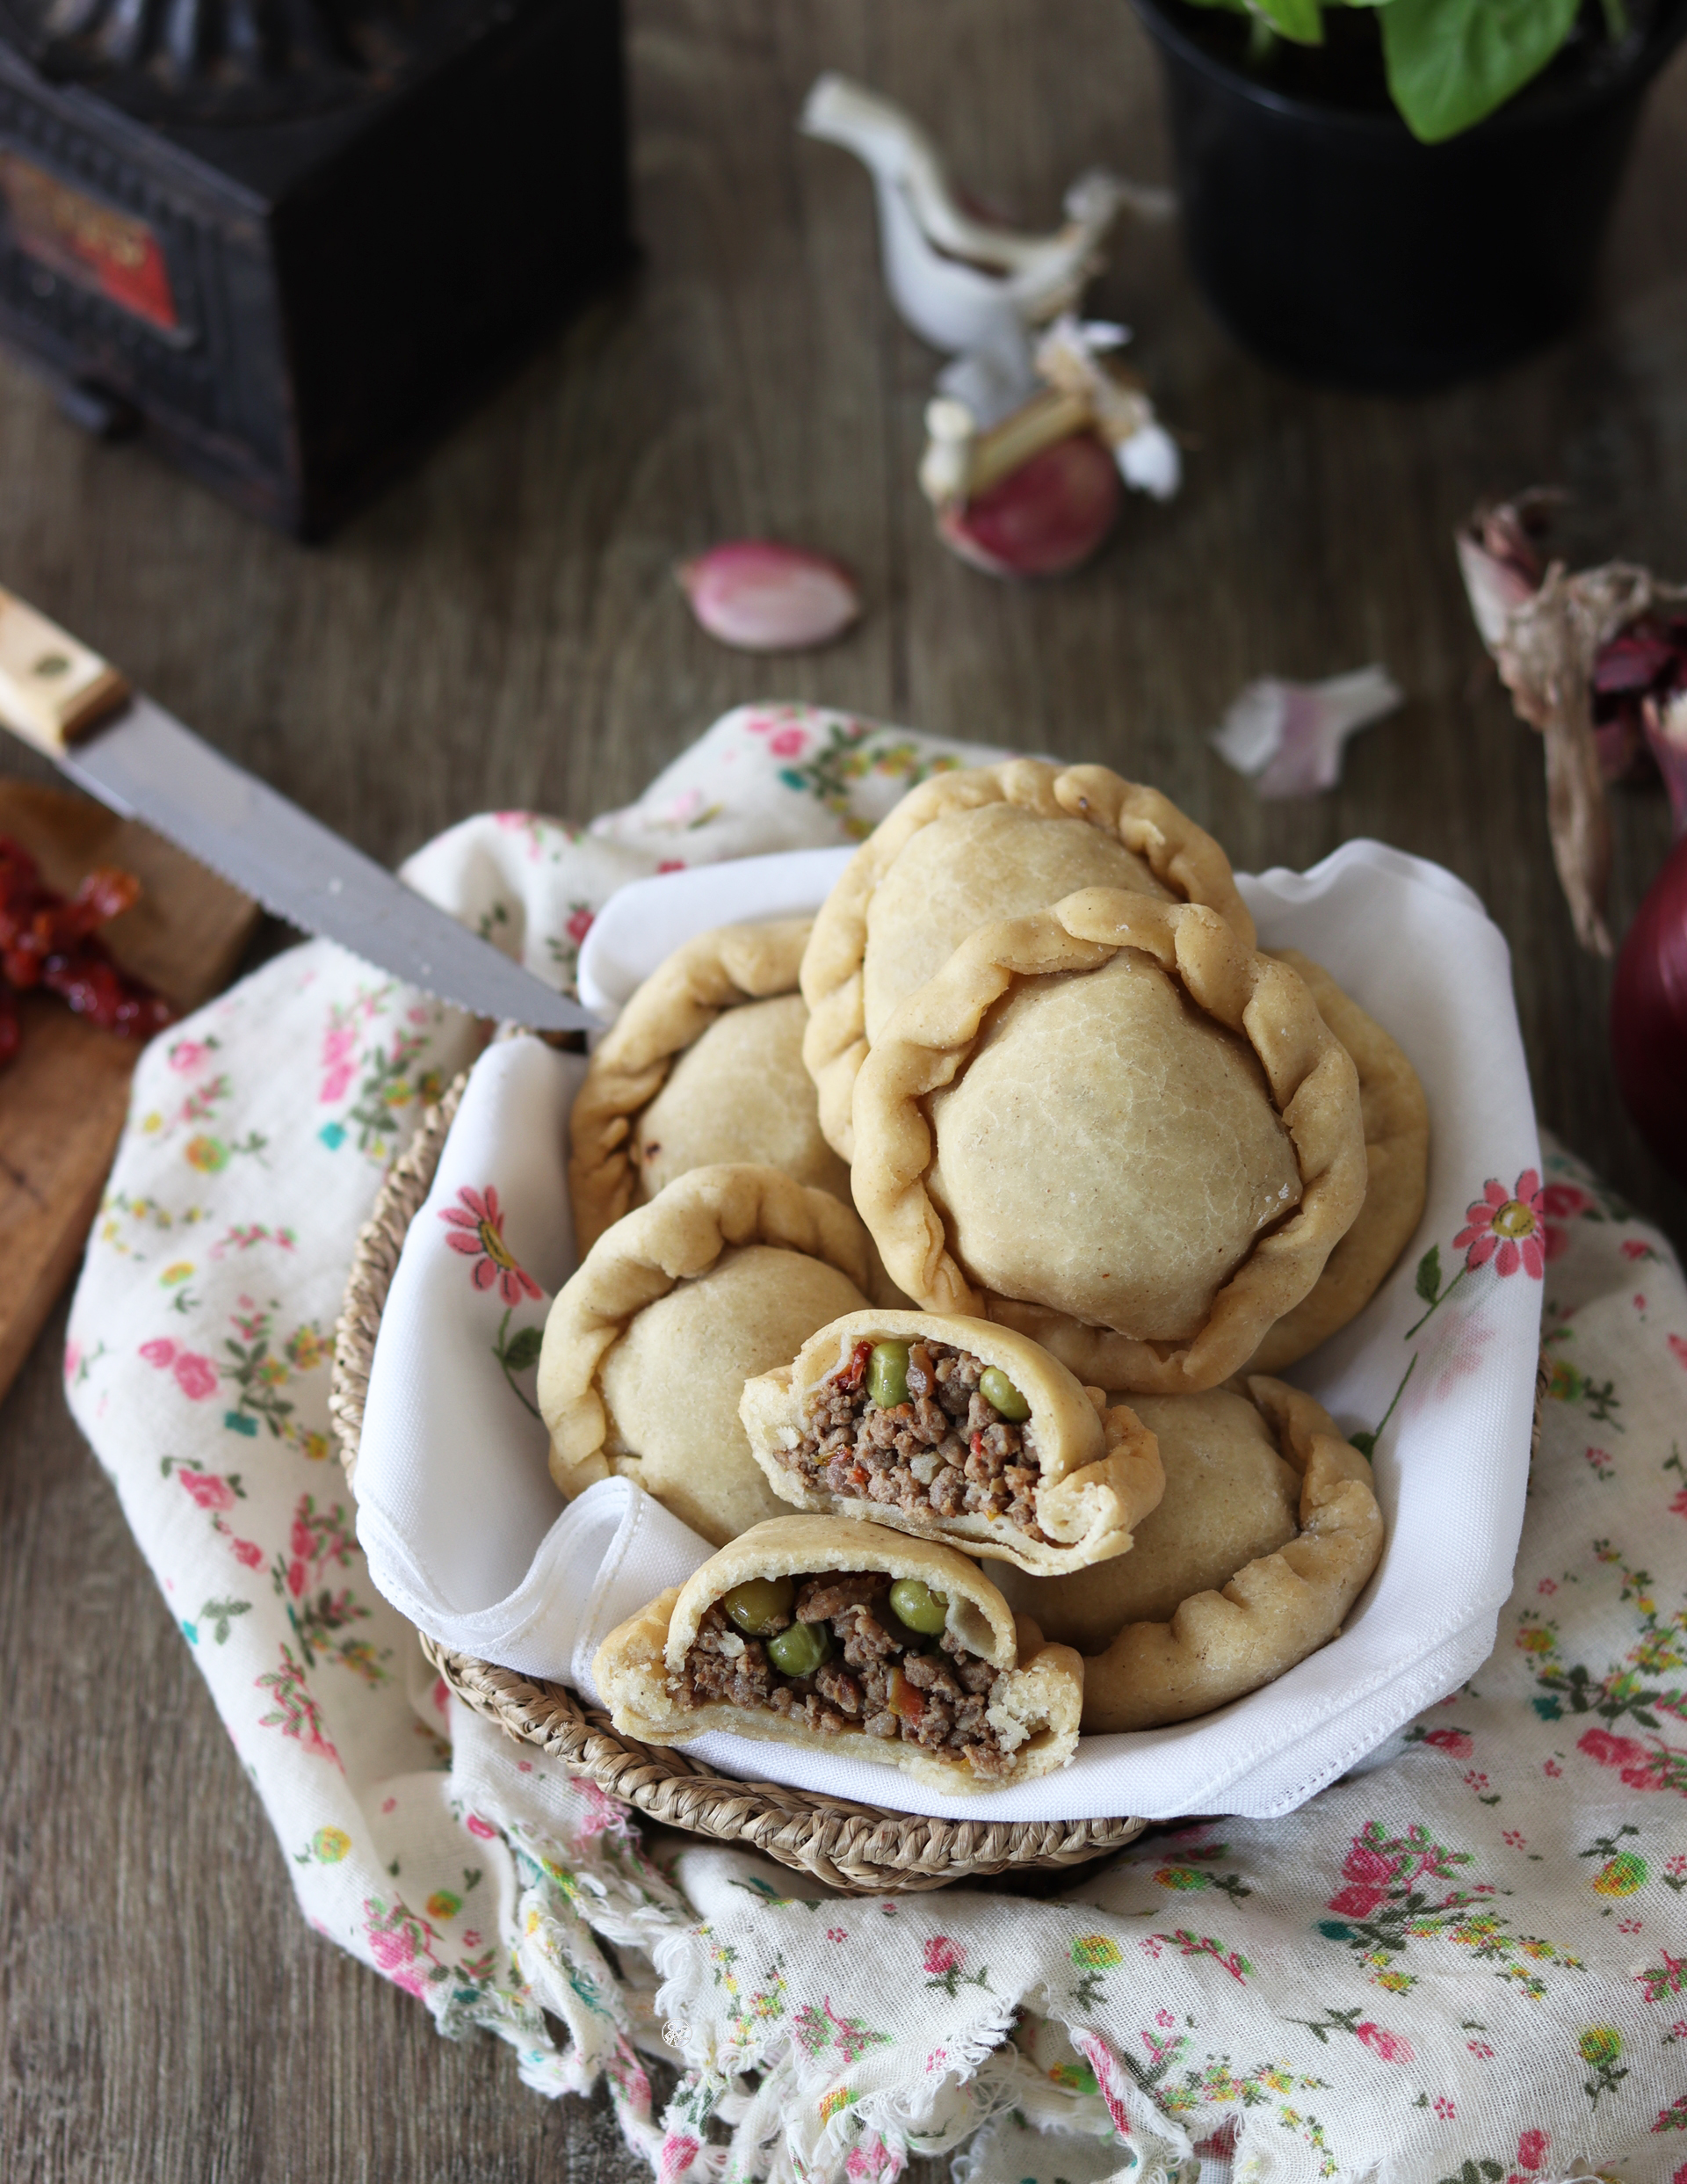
point(1649, 1015)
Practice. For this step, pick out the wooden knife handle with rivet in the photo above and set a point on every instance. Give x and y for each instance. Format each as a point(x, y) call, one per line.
point(52, 689)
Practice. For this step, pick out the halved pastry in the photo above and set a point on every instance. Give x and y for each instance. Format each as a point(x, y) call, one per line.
point(1229, 1497)
point(649, 1342)
point(1116, 1127)
point(704, 1065)
point(958, 1430)
point(964, 849)
point(1219, 1643)
point(1397, 1171)
point(851, 1639)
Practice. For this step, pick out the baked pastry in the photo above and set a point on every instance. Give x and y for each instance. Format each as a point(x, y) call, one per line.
point(703, 1065)
point(965, 849)
point(956, 1430)
point(795, 1633)
point(1229, 1498)
point(1116, 1127)
point(1219, 1645)
point(649, 1342)
point(1397, 1117)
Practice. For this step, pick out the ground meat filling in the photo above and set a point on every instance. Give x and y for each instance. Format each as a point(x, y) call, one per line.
point(946, 1452)
point(882, 1679)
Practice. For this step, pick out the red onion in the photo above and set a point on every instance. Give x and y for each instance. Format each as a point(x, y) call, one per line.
point(1649, 1015)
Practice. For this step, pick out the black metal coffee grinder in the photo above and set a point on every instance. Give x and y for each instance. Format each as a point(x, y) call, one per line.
point(289, 239)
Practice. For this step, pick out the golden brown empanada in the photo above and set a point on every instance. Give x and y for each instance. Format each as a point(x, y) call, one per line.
point(1219, 1645)
point(704, 1065)
point(967, 849)
point(1229, 1498)
point(1052, 1482)
point(966, 1701)
point(649, 1342)
point(1397, 1171)
point(1116, 1126)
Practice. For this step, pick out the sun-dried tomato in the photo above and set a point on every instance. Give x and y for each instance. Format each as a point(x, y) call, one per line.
point(47, 940)
point(906, 1700)
point(855, 1371)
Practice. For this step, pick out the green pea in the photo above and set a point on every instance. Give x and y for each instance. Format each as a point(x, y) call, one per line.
point(887, 1375)
point(799, 1650)
point(918, 1607)
point(1000, 1394)
point(757, 1604)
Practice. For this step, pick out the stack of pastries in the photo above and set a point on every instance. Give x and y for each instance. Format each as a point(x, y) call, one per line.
point(938, 1255)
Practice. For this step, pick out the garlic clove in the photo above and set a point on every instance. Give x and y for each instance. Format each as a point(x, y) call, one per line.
point(761, 596)
point(1043, 519)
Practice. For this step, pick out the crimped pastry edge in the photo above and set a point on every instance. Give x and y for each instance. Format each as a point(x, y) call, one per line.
point(1100, 1465)
point(1179, 853)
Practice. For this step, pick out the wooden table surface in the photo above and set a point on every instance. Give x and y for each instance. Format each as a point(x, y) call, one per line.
point(502, 629)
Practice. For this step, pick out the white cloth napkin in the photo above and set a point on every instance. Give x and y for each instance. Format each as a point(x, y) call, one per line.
point(450, 1427)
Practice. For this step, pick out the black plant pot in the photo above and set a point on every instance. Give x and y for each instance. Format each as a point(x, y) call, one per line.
point(1332, 242)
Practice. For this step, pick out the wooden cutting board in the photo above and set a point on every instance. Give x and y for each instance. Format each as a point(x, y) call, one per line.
point(63, 1099)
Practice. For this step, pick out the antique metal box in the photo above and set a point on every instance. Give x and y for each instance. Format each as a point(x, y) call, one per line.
point(288, 239)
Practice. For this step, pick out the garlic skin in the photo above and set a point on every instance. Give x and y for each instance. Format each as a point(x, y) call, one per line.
point(758, 595)
point(1069, 360)
point(1290, 736)
point(966, 285)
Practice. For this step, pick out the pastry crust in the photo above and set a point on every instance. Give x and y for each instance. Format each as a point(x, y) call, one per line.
point(1305, 1079)
point(1034, 1709)
point(1397, 1171)
point(649, 1342)
point(1099, 1468)
point(1218, 1645)
point(703, 1065)
point(1229, 1498)
point(1174, 857)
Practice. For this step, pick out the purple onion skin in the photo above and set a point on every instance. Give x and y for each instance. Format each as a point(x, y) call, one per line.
point(1649, 1015)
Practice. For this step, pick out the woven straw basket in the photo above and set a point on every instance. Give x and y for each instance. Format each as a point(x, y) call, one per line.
point(864, 1848)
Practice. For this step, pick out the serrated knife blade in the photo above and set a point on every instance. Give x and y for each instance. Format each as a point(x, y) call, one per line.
point(127, 752)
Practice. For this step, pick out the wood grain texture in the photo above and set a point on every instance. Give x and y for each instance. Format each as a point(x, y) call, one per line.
point(504, 629)
point(63, 1099)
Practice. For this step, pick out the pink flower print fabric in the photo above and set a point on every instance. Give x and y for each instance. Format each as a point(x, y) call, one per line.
point(478, 1225)
point(1465, 1961)
point(196, 1376)
point(1507, 1227)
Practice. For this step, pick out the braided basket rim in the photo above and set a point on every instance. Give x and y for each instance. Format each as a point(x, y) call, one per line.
point(863, 1849)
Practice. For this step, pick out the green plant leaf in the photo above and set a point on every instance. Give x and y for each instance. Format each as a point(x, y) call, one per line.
point(1450, 62)
point(1429, 1274)
point(524, 1349)
point(1301, 20)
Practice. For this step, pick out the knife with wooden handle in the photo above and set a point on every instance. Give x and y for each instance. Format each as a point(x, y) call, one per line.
point(116, 744)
